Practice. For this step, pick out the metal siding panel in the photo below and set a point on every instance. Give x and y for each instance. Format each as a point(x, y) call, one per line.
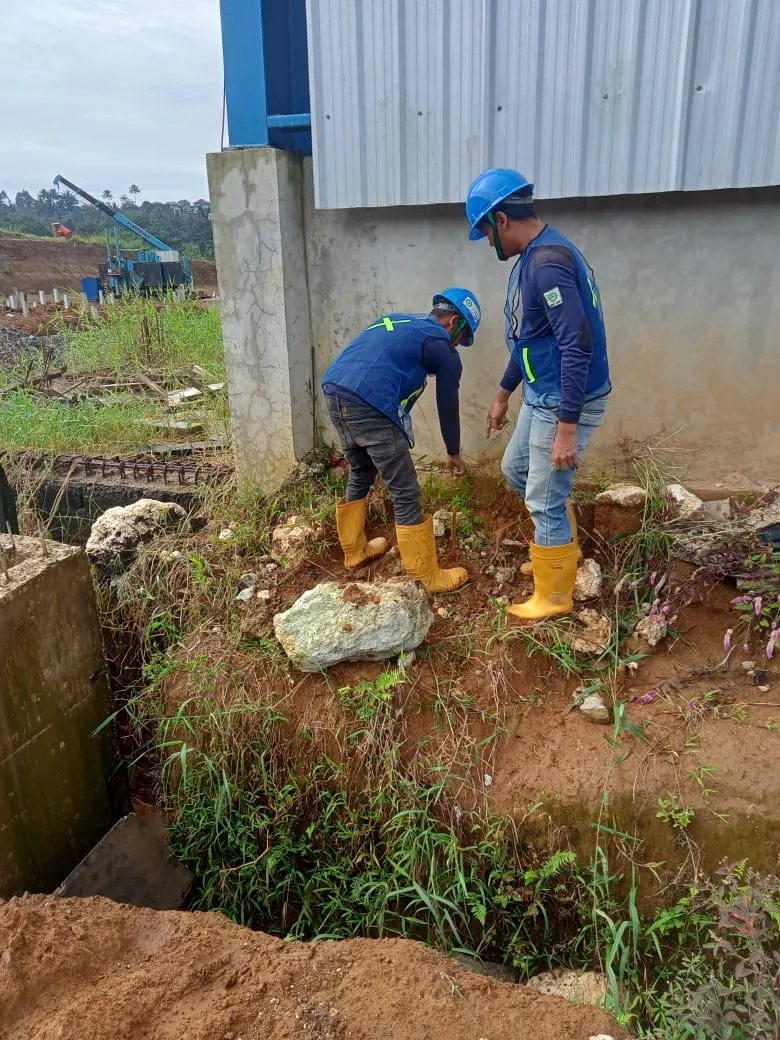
point(410, 100)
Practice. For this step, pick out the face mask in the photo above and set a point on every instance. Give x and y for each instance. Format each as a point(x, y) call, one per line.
point(496, 238)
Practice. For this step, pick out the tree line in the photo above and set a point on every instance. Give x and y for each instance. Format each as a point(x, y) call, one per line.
point(183, 225)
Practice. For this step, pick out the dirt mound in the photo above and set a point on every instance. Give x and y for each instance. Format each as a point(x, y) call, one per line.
point(73, 968)
point(31, 264)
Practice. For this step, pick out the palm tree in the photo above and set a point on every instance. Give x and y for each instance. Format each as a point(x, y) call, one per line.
point(135, 191)
point(108, 194)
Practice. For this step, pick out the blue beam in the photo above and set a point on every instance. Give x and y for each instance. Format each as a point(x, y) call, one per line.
point(244, 63)
point(296, 120)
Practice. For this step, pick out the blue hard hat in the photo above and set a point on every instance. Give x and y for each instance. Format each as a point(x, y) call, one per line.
point(490, 188)
point(467, 304)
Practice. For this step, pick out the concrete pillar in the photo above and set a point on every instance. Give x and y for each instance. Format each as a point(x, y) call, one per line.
point(257, 218)
point(42, 297)
point(101, 299)
point(23, 304)
point(66, 301)
point(56, 294)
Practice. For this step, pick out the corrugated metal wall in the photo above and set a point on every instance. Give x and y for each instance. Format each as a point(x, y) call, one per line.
point(412, 98)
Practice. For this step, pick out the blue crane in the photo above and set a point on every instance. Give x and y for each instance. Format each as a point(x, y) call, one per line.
point(158, 268)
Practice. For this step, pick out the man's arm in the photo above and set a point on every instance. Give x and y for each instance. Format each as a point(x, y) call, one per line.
point(496, 416)
point(442, 361)
point(555, 279)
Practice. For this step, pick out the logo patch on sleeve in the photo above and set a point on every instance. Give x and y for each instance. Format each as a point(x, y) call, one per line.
point(553, 297)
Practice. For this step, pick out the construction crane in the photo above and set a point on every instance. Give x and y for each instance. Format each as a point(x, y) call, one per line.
point(149, 270)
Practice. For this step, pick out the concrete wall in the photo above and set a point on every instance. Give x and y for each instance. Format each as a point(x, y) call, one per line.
point(59, 789)
point(691, 292)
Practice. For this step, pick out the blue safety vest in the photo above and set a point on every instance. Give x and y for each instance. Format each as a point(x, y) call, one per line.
point(538, 355)
point(383, 366)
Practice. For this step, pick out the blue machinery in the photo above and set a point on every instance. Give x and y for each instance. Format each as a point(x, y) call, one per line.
point(150, 269)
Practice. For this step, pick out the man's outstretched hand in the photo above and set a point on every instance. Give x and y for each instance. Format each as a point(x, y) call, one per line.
point(564, 449)
point(496, 417)
point(456, 465)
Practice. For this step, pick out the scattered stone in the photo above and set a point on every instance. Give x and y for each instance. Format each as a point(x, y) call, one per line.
point(443, 612)
point(719, 509)
point(407, 660)
point(601, 1036)
point(593, 633)
point(505, 574)
point(686, 504)
point(502, 601)
point(290, 539)
point(245, 595)
point(594, 708)
point(169, 555)
point(116, 535)
point(488, 780)
point(442, 522)
point(624, 495)
point(512, 543)
point(580, 987)
point(749, 666)
point(225, 534)
point(386, 618)
point(652, 629)
point(246, 581)
point(763, 688)
point(271, 568)
point(265, 595)
point(588, 583)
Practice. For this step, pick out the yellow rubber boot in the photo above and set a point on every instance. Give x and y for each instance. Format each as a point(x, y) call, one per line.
point(351, 526)
point(417, 545)
point(555, 571)
point(527, 569)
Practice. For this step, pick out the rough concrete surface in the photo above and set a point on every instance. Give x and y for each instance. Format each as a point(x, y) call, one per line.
point(56, 799)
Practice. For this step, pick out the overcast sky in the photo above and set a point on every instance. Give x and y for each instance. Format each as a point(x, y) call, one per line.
point(110, 93)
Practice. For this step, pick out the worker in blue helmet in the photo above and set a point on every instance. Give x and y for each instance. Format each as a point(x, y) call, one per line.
point(558, 353)
point(371, 387)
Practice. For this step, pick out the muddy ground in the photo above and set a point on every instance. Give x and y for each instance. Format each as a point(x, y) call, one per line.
point(30, 264)
point(75, 969)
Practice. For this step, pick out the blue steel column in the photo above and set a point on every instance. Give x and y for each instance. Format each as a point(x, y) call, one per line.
point(243, 57)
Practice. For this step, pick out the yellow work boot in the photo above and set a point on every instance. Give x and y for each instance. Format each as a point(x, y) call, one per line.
point(417, 545)
point(351, 526)
point(527, 569)
point(555, 571)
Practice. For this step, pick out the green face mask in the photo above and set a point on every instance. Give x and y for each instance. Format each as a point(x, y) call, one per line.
point(496, 237)
point(462, 324)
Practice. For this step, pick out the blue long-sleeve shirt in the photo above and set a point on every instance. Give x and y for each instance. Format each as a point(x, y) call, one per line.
point(552, 305)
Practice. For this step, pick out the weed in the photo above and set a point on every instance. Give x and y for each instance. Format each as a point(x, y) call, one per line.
point(671, 810)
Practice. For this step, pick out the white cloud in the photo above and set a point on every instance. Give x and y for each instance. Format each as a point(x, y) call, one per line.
point(109, 93)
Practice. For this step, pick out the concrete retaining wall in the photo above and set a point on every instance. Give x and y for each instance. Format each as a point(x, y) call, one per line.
point(59, 786)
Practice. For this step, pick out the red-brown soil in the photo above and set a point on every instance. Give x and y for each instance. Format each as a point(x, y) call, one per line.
point(31, 264)
point(73, 969)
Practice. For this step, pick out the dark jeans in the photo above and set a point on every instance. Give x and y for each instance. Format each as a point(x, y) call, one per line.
point(372, 444)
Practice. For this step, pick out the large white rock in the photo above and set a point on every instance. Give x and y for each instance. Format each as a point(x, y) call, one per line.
point(629, 495)
point(290, 541)
point(591, 634)
point(362, 621)
point(588, 583)
point(116, 535)
point(652, 628)
point(686, 504)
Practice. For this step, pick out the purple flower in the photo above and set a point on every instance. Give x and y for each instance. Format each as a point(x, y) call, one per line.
point(652, 579)
point(770, 646)
point(740, 601)
point(645, 698)
point(746, 648)
point(757, 606)
point(727, 639)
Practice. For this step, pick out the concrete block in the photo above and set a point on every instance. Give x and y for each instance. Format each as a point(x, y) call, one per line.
point(60, 785)
point(257, 218)
point(131, 864)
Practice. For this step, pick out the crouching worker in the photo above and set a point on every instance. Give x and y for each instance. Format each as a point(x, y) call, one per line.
point(371, 387)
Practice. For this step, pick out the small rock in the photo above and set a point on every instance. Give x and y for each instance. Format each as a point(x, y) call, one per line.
point(512, 543)
point(593, 634)
point(116, 535)
point(580, 987)
point(271, 567)
point(601, 1036)
point(246, 581)
point(216, 629)
point(627, 495)
point(749, 666)
point(387, 618)
point(488, 780)
point(407, 660)
point(763, 688)
point(594, 708)
point(719, 509)
point(686, 503)
point(225, 534)
point(443, 612)
point(265, 595)
point(505, 574)
point(245, 595)
point(171, 554)
point(442, 522)
point(290, 539)
point(588, 583)
point(652, 628)
point(502, 601)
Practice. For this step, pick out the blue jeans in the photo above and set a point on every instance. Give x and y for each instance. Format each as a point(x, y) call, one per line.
point(527, 467)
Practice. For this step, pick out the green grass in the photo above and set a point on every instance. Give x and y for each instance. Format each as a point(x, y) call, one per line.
point(133, 335)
